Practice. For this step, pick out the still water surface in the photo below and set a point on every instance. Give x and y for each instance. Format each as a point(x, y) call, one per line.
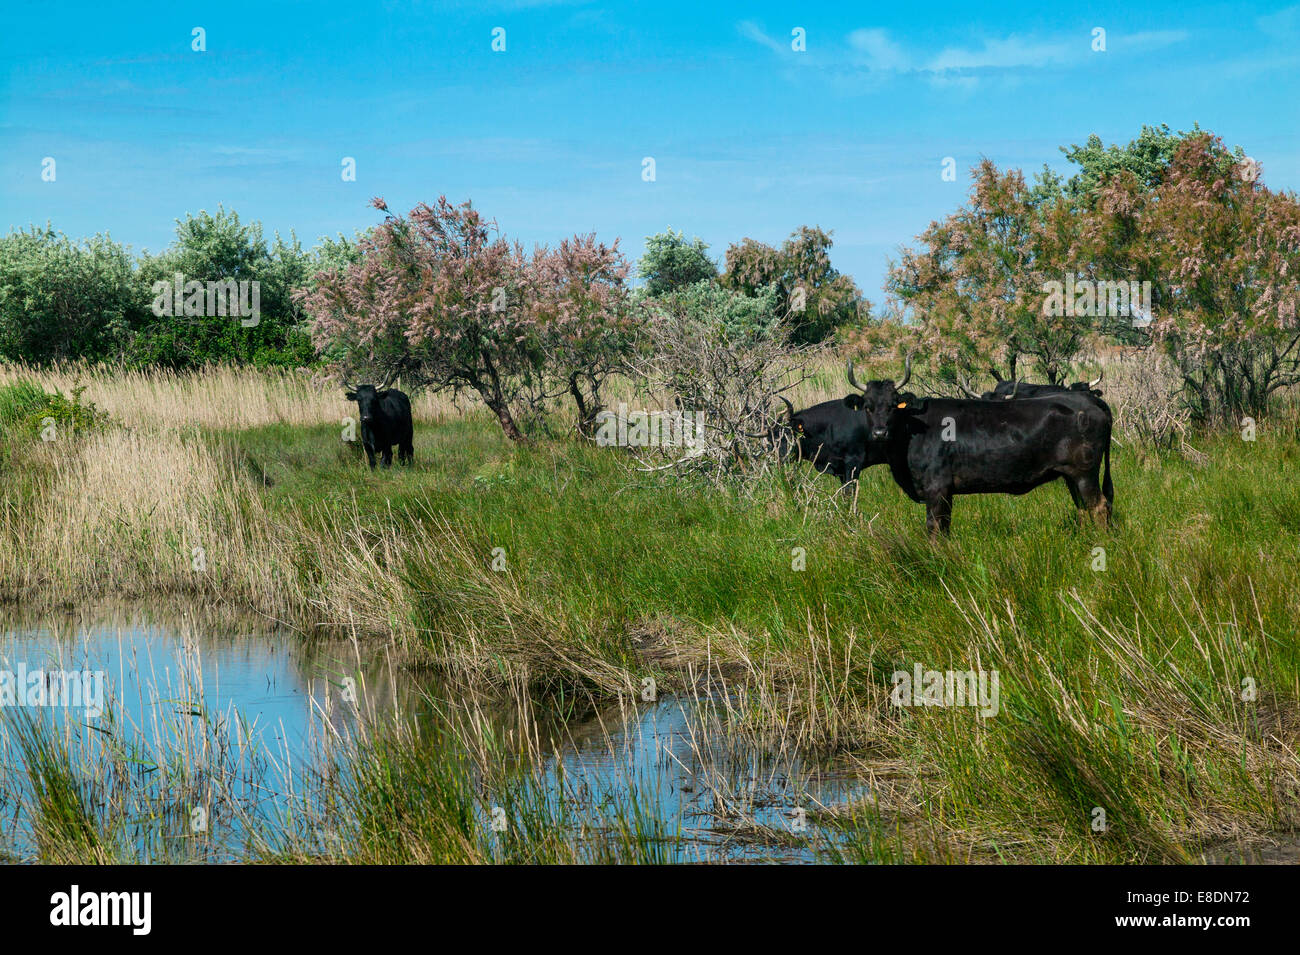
point(246, 709)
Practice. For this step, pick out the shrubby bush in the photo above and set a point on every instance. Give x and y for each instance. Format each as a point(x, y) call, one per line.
point(1144, 390)
point(723, 356)
point(92, 299)
point(26, 409)
point(812, 297)
point(732, 316)
point(217, 248)
point(671, 263)
point(61, 298)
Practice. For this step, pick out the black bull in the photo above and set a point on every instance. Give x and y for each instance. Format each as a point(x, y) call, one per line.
point(385, 420)
point(1025, 389)
point(937, 448)
point(833, 436)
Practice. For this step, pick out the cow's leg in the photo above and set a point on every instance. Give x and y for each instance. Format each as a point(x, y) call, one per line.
point(386, 456)
point(1073, 485)
point(370, 455)
point(405, 451)
point(1076, 495)
point(1094, 501)
point(938, 513)
point(853, 467)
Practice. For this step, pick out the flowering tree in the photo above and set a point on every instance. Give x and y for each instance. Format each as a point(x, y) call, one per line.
point(975, 286)
point(580, 306)
point(1223, 253)
point(440, 300)
point(1181, 215)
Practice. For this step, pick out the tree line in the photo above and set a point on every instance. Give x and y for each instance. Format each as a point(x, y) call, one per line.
point(1170, 245)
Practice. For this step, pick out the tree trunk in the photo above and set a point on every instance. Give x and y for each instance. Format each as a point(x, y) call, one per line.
point(507, 422)
point(490, 391)
point(586, 417)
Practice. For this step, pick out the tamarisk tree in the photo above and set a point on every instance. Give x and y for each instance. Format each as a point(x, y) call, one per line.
point(442, 300)
point(975, 285)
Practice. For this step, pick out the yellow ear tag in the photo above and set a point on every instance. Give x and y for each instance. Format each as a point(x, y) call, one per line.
point(799, 427)
point(902, 404)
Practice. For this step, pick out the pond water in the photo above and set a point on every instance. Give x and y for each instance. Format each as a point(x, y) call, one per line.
point(179, 721)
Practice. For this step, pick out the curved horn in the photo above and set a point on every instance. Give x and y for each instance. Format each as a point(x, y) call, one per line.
point(1014, 389)
point(965, 386)
point(853, 381)
point(907, 372)
point(789, 406)
point(1097, 381)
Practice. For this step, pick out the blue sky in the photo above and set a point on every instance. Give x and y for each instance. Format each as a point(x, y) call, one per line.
point(749, 137)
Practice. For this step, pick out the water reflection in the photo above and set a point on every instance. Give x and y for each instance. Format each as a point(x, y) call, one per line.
point(222, 723)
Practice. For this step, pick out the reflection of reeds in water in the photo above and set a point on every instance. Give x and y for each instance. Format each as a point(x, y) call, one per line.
point(664, 782)
point(448, 773)
point(169, 778)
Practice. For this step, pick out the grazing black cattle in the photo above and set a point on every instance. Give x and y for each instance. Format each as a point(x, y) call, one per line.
point(938, 448)
point(385, 421)
point(832, 436)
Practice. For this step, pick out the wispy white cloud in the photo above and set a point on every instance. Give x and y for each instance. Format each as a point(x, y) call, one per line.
point(752, 31)
point(961, 66)
point(880, 49)
point(1001, 54)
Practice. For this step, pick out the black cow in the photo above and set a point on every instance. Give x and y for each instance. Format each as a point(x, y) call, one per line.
point(1023, 389)
point(832, 436)
point(385, 420)
point(938, 448)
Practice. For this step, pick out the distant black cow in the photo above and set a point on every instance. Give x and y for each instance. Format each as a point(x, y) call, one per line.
point(832, 436)
point(938, 448)
point(1023, 389)
point(385, 421)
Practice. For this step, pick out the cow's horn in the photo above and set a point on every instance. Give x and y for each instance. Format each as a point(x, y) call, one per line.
point(965, 386)
point(1014, 389)
point(1097, 381)
point(853, 381)
point(907, 372)
point(789, 406)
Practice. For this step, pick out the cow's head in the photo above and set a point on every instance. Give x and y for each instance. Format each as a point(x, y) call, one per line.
point(1003, 389)
point(883, 402)
point(367, 398)
point(1089, 386)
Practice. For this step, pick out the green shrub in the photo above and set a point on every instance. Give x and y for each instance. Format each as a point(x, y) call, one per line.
point(26, 410)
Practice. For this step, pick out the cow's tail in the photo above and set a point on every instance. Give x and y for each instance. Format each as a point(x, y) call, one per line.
point(1107, 488)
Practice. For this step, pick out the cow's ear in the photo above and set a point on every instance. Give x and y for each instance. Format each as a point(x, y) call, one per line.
point(909, 403)
point(853, 401)
point(351, 396)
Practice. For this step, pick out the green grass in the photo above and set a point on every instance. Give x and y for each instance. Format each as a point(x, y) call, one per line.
point(1121, 690)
